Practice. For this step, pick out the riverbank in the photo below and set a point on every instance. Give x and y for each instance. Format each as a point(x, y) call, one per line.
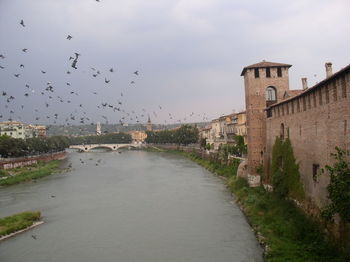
point(29, 173)
point(18, 223)
point(283, 230)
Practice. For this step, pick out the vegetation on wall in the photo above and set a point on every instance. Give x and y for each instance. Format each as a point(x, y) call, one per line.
point(339, 188)
point(17, 147)
point(285, 171)
point(184, 135)
point(112, 138)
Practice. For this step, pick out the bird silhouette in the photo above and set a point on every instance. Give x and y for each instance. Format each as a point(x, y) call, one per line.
point(22, 23)
point(24, 50)
point(34, 237)
point(69, 37)
point(136, 73)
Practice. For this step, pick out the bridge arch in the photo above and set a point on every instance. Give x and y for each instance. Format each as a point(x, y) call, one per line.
point(111, 148)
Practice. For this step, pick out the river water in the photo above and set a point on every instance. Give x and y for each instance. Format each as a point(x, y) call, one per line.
point(134, 206)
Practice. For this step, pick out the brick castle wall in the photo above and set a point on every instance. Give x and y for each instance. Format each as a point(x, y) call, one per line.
point(316, 122)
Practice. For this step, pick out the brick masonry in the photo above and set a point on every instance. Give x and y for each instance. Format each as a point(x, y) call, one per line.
point(316, 121)
point(26, 161)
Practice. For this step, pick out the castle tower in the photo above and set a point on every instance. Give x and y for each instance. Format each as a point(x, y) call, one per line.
point(98, 129)
point(149, 124)
point(265, 84)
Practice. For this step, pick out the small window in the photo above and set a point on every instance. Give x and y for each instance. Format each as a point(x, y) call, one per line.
point(327, 94)
point(335, 96)
point(279, 71)
point(298, 105)
point(282, 131)
point(304, 103)
point(256, 72)
point(315, 102)
point(343, 86)
point(269, 112)
point(315, 172)
point(268, 72)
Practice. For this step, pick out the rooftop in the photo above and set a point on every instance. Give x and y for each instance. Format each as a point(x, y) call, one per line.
point(264, 64)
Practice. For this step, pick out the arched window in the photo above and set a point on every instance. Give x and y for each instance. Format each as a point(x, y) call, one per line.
point(271, 94)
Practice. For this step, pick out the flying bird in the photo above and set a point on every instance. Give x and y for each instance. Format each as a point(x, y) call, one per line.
point(136, 73)
point(24, 50)
point(69, 37)
point(111, 70)
point(22, 23)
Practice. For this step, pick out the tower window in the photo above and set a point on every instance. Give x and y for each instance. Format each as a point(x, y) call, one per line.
point(279, 71)
point(256, 72)
point(268, 72)
point(271, 94)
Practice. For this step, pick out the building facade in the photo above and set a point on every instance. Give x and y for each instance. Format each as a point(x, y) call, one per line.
point(18, 129)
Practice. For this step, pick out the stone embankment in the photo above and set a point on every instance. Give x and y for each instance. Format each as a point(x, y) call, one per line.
point(8, 163)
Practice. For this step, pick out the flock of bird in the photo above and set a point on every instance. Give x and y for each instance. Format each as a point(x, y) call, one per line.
point(11, 110)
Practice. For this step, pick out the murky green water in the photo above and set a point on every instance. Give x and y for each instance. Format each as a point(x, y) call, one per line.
point(134, 206)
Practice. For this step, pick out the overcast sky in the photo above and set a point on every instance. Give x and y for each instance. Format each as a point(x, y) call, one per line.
point(189, 55)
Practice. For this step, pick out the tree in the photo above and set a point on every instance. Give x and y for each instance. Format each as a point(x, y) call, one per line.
point(285, 171)
point(339, 187)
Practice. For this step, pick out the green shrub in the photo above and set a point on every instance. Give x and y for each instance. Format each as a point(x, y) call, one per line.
point(3, 173)
point(285, 171)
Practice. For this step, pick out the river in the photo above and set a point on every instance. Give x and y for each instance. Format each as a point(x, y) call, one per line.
point(129, 207)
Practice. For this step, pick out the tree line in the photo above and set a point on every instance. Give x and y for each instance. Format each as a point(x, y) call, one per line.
point(184, 135)
point(17, 147)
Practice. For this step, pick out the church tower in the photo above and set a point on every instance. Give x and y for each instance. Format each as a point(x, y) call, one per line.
point(265, 84)
point(98, 129)
point(149, 124)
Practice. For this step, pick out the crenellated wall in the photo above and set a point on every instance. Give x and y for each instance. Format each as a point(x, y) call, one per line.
point(316, 121)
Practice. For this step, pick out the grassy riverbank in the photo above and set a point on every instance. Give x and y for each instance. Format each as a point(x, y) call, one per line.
point(286, 233)
point(28, 173)
point(18, 222)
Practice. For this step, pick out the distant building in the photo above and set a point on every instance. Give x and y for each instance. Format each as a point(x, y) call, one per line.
point(18, 129)
point(224, 129)
point(138, 136)
point(149, 124)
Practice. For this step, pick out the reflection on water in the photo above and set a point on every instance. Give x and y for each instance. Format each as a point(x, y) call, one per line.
point(129, 206)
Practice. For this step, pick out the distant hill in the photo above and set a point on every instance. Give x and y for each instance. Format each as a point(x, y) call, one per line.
point(83, 130)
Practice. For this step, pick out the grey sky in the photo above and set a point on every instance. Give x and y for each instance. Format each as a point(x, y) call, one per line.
point(189, 54)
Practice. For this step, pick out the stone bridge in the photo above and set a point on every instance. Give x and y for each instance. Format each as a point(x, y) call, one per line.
point(113, 147)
